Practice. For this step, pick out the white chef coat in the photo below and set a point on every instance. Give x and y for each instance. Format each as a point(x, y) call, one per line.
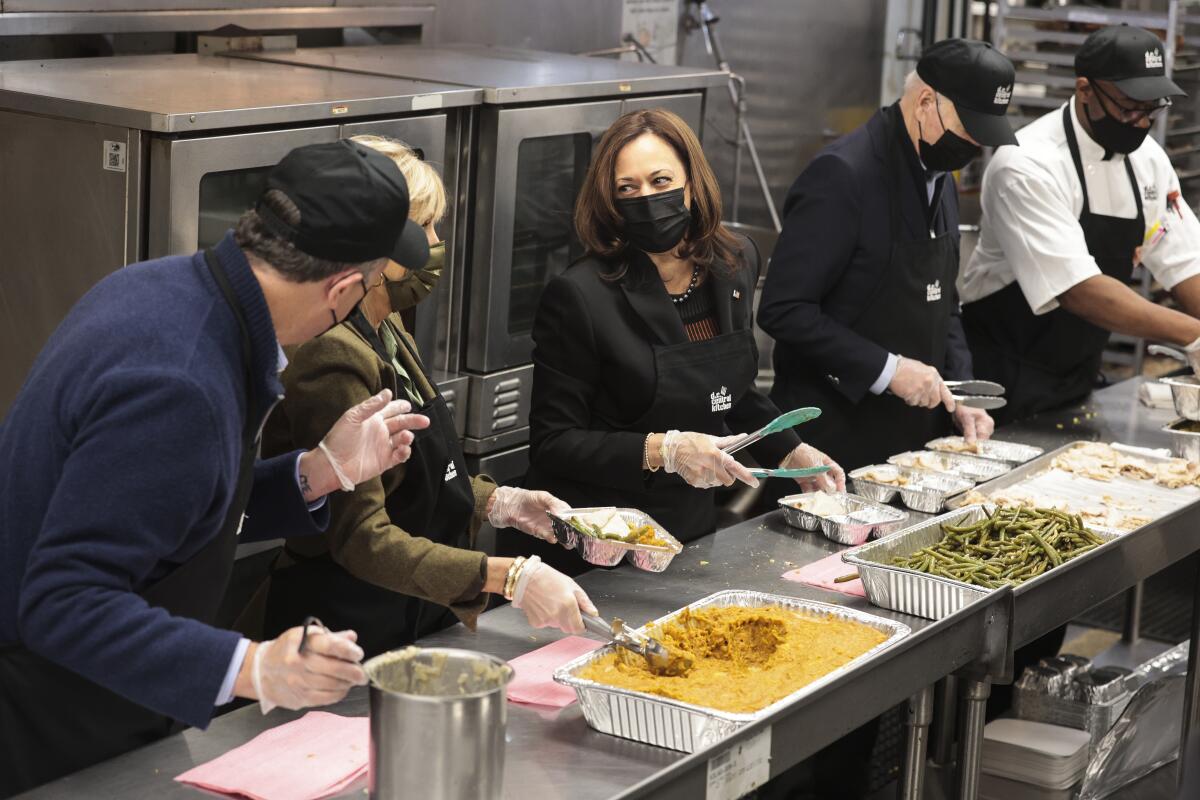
point(1031, 202)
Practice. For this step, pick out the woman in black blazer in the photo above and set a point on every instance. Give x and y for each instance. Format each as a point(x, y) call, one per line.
point(644, 356)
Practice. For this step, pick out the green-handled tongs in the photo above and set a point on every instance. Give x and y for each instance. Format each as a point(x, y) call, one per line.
point(787, 472)
point(791, 419)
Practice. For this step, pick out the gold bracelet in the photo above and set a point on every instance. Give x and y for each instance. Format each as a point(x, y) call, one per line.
point(510, 579)
point(646, 455)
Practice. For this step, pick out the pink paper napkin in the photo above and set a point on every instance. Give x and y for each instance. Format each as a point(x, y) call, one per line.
point(316, 756)
point(821, 574)
point(533, 680)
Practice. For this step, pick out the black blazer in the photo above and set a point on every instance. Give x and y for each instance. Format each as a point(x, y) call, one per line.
point(594, 375)
point(832, 253)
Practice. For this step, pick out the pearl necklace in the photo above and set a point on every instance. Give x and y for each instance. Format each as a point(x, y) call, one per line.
point(681, 298)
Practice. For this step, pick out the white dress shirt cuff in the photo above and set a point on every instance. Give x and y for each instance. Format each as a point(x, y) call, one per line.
point(235, 666)
point(315, 504)
point(885, 377)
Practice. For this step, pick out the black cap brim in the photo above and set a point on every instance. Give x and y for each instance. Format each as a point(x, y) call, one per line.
point(990, 130)
point(1149, 87)
point(412, 248)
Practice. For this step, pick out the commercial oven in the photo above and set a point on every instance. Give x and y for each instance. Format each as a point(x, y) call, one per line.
point(540, 116)
point(107, 161)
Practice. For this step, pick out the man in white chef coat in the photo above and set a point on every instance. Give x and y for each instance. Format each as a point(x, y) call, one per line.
point(1066, 217)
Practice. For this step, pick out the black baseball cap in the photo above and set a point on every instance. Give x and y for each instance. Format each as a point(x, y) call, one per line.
point(978, 80)
point(1131, 58)
point(353, 203)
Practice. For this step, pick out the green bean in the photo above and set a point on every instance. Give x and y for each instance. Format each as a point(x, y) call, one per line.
point(1005, 547)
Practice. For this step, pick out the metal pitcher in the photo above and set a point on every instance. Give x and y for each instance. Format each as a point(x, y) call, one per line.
point(437, 724)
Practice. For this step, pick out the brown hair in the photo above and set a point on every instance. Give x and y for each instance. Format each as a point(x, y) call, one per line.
point(600, 226)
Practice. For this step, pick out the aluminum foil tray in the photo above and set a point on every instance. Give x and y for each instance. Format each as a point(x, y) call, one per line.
point(1184, 443)
point(608, 552)
point(1009, 452)
point(672, 724)
point(972, 468)
point(1185, 393)
point(925, 491)
point(863, 519)
point(918, 593)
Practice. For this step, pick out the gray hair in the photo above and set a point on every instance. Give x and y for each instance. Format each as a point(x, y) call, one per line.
point(913, 82)
point(253, 236)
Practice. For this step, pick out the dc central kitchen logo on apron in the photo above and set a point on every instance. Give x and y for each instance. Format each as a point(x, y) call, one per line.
point(721, 401)
point(451, 472)
point(933, 292)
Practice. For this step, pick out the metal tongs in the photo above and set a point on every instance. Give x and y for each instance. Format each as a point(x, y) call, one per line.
point(781, 423)
point(977, 394)
point(657, 656)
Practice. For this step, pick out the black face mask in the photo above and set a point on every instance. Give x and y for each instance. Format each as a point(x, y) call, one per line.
point(1113, 135)
point(949, 153)
point(351, 313)
point(655, 223)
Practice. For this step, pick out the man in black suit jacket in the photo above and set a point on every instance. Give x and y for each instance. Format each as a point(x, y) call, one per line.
point(860, 296)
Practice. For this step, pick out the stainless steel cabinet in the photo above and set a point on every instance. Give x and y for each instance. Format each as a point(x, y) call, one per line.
point(532, 164)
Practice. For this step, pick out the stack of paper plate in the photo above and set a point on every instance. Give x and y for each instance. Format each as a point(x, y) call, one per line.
point(1023, 759)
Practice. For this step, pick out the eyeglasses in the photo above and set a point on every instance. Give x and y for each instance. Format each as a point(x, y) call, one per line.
point(1133, 114)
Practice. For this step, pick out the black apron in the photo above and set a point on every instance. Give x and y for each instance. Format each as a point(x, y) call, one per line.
point(53, 721)
point(909, 315)
point(1050, 360)
point(434, 501)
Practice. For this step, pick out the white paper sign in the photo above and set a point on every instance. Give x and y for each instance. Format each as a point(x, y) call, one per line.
point(740, 769)
point(655, 24)
point(114, 156)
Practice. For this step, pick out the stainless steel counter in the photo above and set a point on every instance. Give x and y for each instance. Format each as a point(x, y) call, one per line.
point(554, 754)
point(507, 75)
point(175, 93)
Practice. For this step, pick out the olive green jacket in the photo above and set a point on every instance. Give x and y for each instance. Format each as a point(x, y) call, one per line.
point(325, 376)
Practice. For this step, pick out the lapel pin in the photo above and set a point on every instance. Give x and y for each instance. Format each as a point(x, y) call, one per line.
point(737, 295)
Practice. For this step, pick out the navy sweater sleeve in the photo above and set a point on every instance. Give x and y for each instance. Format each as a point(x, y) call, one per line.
point(142, 483)
point(277, 508)
point(821, 232)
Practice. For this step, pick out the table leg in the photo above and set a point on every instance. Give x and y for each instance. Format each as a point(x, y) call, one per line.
point(947, 719)
point(1133, 614)
point(971, 754)
point(920, 714)
point(1191, 698)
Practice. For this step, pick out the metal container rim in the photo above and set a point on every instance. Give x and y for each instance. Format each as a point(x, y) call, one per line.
point(461, 652)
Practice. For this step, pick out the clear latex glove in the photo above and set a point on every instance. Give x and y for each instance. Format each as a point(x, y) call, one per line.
point(697, 458)
point(549, 598)
point(805, 455)
point(1192, 351)
point(525, 510)
point(322, 674)
point(920, 385)
point(975, 423)
point(371, 437)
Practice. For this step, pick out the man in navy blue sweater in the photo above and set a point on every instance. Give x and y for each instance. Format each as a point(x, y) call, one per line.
point(128, 473)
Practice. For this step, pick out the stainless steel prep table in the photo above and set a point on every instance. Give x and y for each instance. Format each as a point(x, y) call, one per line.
point(558, 756)
point(553, 753)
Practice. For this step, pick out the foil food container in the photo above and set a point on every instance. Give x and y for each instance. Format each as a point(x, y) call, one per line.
point(863, 519)
point(1184, 443)
point(1185, 393)
point(609, 552)
point(675, 725)
point(918, 593)
point(924, 491)
point(973, 468)
point(1008, 452)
